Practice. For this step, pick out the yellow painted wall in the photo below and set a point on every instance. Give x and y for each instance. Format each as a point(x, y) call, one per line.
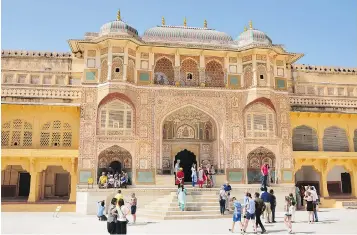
point(39, 115)
point(320, 121)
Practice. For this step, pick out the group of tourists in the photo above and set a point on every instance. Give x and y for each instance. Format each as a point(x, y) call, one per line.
point(118, 211)
point(113, 180)
point(204, 175)
point(262, 206)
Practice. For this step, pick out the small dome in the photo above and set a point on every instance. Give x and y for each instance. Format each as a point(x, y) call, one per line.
point(253, 37)
point(186, 34)
point(117, 27)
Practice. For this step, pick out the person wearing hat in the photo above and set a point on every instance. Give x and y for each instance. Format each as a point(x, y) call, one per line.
point(180, 177)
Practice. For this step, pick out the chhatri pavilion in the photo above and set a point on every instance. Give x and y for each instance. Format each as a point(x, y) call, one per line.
point(138, 103)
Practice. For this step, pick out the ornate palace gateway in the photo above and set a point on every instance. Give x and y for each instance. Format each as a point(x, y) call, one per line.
point(138, 103)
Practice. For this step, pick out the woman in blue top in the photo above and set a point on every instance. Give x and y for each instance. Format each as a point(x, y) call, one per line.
point(100, 214)
point(237, 214)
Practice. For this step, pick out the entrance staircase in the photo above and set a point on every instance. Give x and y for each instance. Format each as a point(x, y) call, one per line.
point(200, 204)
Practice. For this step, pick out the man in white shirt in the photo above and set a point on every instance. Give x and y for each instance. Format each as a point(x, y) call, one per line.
point(313, 192)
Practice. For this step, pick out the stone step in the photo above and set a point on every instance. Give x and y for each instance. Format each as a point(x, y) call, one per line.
point(158, 204)
point(176, 208)
point(196, 216)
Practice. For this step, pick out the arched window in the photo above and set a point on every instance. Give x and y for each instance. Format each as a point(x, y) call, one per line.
point(304, 139)
point(16, 133)
point(164, 72)
point(117, 69)
point(259, 121)
point(262, 75)
point(248, 76)
point(214, 74)
point(116, 118)
point(335, 139)
point(56, 134)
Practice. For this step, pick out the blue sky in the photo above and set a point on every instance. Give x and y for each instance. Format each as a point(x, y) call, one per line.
point(324, 30)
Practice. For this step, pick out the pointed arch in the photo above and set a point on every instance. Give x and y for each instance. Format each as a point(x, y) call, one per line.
point(214, 74)
point(164, 71)
point(304, 139)
point(189, 74)
point(255, 159)
point(117, 68)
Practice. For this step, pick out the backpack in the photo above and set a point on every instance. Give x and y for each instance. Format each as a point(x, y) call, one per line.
point(292, 201)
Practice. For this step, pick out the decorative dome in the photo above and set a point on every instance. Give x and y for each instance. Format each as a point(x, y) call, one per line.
point(253, 37)
point(186, 34)
point(117, 27)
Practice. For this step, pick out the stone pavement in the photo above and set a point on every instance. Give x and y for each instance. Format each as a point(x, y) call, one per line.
point(333, 221)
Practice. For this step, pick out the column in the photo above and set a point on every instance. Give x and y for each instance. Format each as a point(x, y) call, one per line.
point(354, 182)
point(34, 189)
point(202, 71)
point(177, 68)
point(254, 82)
point(125, 68)
point(350, 139)
point(137, 66)
point(324, 192)
point(226, 69)
point(110, 61)
point(268, 72)
point(72, 197)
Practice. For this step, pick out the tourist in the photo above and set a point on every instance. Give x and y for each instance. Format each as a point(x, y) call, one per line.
point(110, 181)
point(213, 176)
point(133, 203)
point(193, 175)
point(314, 202)
point(259, 210)
point(250, 214)
point(222, 200)
point(298, 197)
point(237, 214)
point(201, 177)
point(123, 180)
point(228, 189)
point(287, 215)
point(292, 207)
point(116, 181)
point(119, 196)
point(272, 204)
point(112, 217)
point(122, 221)
point(181, 196)
point(266, 199)
point(102, 182)
point(100, 213)
point(180, 176)
point(265, 172)
point(177, 168)
point(208, 177)
point(309, 206)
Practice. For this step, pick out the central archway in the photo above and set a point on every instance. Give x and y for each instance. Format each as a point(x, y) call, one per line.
point(115, 159)
point(192, 129)
point(187, 159)
point(256, 159)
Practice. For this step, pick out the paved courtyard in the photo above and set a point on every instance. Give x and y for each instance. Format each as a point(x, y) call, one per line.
point(333, 221)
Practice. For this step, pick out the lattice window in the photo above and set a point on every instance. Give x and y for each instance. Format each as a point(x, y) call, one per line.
point(259, 121)
point(262, 75)
point(189, 74)
point(331, 91)
point(117, 69)
point(311, 90)
point(103, 71)
point(305, 139)
point(47, 80)
point(16, 133)
point(164, 72)
point(21, 78)
point(214, 74)
point(335, 140)
point(341, 91)
point(131, 71)
point(116, 118)
point(56, 134)
point(248, 76)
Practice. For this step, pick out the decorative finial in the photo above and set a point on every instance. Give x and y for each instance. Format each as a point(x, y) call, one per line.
point(250, 24)
point(118, 15)
point(245, 28)
point(184, 22)
point(163, 20)
point(205, 24)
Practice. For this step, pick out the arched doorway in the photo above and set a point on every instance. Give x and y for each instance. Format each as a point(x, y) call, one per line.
point(187, 159)
point(256, 159)
point(56, 183)
point(115, 159)
point(308, 175)
point(15, 183)
point(192, 129)
point(339, 181)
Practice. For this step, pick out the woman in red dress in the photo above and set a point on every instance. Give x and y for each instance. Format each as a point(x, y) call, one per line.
point(180, 177)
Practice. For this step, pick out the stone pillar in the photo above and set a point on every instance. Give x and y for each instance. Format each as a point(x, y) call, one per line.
point(177, 73)
point(202, 70)
point(354, 182)
point(324, 192)
point(268, 72)
point(72, 197)
point(226, 69)
point(125, 66)
point(350, 140)
point(255, 79)
point(34, 189)
point(110, 61)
